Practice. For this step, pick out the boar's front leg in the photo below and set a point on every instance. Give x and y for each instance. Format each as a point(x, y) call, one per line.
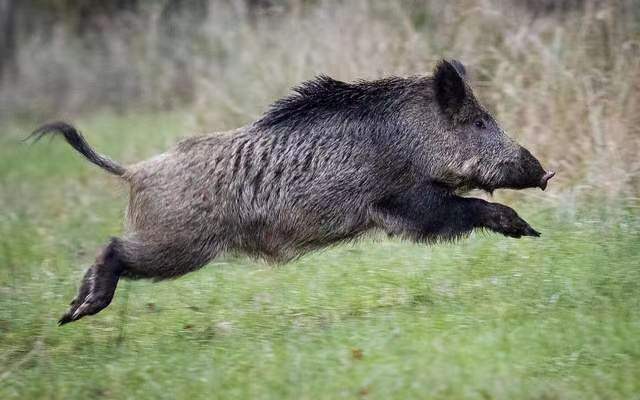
point(502, 219)
point(429, 213)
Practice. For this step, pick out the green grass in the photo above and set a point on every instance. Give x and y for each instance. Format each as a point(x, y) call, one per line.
point(488, 317)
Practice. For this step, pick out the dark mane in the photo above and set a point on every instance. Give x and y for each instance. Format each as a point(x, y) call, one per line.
point(324, 97)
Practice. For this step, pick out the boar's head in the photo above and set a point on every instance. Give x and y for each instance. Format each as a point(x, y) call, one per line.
point(468, 149)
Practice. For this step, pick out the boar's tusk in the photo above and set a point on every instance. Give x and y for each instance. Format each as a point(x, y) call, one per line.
point(545, 179)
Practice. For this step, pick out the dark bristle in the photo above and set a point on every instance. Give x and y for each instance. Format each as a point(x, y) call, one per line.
point(324, 96)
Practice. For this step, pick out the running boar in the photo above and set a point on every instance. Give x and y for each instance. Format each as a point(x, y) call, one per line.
point(326, 164)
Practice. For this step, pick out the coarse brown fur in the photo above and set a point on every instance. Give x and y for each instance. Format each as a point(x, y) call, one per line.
point(326, 164)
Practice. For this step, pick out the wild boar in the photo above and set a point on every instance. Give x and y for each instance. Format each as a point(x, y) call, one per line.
point(326, 164)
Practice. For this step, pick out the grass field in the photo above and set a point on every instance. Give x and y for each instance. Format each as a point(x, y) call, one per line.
point(489, 317)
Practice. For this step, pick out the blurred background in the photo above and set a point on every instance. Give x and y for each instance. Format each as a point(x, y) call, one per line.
point(488, 317)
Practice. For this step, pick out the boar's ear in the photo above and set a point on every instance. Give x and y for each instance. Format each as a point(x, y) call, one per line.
point(462, 70)
point(449, 86)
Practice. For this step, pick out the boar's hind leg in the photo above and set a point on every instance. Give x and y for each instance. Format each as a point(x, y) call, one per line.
point(151, 257)
point(98, 285)
point(133, 258)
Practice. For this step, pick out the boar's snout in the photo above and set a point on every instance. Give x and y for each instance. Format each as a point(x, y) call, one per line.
point(535, 175)
point(526, 172)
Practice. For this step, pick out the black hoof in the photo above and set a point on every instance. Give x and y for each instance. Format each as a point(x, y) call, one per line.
point(97, 288)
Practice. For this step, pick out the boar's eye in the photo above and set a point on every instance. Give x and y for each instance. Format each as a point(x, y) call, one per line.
point(479, 124)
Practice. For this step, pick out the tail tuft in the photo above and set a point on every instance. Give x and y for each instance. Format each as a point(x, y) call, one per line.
point(77, 141)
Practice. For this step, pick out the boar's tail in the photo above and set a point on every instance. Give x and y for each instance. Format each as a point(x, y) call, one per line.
point(77, 141)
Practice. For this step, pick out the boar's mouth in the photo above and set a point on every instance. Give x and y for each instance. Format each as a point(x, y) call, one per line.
point(526, 184)
point(522, 172)
point(536, 181)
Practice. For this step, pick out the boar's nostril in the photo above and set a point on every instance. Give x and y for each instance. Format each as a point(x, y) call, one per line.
point(545, 178)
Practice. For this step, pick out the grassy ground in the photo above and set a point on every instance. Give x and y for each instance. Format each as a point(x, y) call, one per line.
point(489, 317)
